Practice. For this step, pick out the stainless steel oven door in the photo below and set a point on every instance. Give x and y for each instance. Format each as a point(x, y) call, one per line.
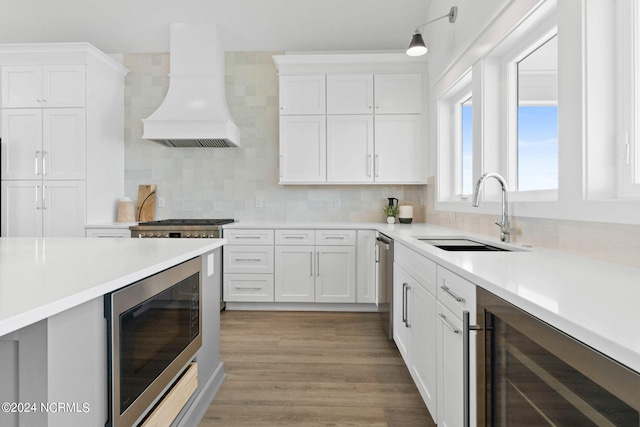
point(154, 332)
point(530, 373)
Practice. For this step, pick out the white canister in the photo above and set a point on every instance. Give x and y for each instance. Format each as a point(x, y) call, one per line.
point(405, 214)
point(126, 212)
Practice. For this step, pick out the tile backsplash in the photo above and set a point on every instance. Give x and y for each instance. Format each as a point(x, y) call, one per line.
point(231, 182)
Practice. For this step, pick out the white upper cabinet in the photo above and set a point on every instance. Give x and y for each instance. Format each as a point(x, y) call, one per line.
point(303, 149)
point(301, 95)
point(350, 148)
point(398, 156)
point(49, 86)
point(398, 93)
point(350, 94)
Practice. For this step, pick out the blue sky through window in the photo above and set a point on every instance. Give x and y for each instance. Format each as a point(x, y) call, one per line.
point(467, 147)
point(537, 147)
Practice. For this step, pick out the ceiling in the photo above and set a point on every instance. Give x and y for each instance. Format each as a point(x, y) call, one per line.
point(127, 26)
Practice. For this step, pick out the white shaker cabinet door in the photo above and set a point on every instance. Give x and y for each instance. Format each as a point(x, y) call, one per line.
point(63, 208)
point(336, 274)
point(398, 148)
point(49, 86)
point(402, 313)
point(63, 86)
point(449, 366)
point(303, 149)
point(294, 274)
point(21, 86)
point(350, 148)
point(350, 94)
point(63, 143)
point(21, 209)
point(366, 280)
point(302, 95)
point(22, 144)
point(423, 366)
point(398, 93)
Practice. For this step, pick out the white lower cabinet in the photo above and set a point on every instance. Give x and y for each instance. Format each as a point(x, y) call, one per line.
point(248, 287)
point(366, 271)
point(449, 363)
point(414, 331)
point(294, 274)
point(315, 266)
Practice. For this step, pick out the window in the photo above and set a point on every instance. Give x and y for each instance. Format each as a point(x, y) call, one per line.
point(629, 92)
point(535, 157)
point(466, 146)
point(455, 140)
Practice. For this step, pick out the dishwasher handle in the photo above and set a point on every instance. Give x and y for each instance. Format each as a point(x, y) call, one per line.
point(383, 243)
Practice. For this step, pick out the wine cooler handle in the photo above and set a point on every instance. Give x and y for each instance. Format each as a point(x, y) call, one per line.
point(466, 384)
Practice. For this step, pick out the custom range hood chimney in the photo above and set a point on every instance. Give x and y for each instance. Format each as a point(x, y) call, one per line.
point(194, 113)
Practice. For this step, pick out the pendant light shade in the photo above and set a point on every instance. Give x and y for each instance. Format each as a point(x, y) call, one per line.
point(416, 47)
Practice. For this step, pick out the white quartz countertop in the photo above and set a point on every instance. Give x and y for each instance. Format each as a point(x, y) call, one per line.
point(594, 301)
point(43, 277)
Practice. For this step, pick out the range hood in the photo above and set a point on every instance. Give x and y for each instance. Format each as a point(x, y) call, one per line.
point(194, 113)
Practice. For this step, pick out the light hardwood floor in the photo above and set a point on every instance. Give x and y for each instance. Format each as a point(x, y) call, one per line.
point(312, 369)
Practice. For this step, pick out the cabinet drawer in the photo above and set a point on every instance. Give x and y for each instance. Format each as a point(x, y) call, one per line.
point(336, 237)
point(456, 293)
point(248, 259)
point(295, 237)
point(248, 287)
point(248, 236)
point(421, 268)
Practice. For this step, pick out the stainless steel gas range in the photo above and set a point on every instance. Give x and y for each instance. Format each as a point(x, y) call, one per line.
point(179, 228)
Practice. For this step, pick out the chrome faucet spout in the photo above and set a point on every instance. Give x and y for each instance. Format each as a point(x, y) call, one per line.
point(505, 228)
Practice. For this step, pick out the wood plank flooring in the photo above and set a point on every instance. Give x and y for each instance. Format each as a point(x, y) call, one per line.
point(312, 369)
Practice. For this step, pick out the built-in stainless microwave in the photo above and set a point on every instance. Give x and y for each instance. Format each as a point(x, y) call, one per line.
point(154, 332)
point(531, 374)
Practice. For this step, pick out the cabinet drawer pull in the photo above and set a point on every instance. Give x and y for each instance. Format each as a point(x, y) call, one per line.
point(294, 237)
point(249, 288)
point(248, 259)
point(451, 294)
point(447, 324)
point(335, 237)
point(247, 237)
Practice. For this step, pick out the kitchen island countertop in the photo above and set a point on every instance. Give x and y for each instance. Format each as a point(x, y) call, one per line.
point(43, 277)
point(596, 302)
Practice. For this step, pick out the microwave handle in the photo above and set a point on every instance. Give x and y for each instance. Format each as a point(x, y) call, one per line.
point(466, 401)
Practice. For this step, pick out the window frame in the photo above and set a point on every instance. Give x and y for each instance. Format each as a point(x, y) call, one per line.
point(449, 167)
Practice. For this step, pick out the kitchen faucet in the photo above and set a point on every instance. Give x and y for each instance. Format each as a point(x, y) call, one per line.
point(505, 228)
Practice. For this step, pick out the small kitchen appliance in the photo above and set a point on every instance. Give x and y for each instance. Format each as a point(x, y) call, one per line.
point(405, 214)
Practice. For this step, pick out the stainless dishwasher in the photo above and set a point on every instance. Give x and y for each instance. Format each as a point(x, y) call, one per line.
point(384, 275)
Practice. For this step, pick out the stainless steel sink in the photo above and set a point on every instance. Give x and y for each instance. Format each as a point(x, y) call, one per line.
point(460, 244)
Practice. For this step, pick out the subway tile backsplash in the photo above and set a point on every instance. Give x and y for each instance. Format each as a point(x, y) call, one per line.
point(230, 182)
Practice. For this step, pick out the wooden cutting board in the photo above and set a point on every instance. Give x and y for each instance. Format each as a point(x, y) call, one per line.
point(146, 203)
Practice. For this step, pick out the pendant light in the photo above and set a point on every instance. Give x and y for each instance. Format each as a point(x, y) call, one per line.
point(417, 46)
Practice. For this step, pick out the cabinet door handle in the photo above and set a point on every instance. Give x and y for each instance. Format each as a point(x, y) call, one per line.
point(37, 191)
point(311, 263)
point(318, 265)
point(44, 197)
point(369, 163)
point(406, 303)
point(405, 314)
point(37, 170)
point(466, 328)
point(376, 166)
point(447, 324)
point(281, 163)
point(44, 162)
point(451, 294)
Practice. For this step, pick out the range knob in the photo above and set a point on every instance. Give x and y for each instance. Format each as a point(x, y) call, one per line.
point(187, 235)
point(203, 235)
point(158, 235)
